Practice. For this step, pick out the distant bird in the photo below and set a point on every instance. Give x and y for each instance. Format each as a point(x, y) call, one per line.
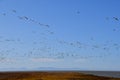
point(107, 18)
point(78, 12)
point(115, 44)
point(33, 32)
point(114, 29)
point(7, 40)
point(116, 18)
point(92, 39)
point(50, 32)
point(32, 20)
point(2, 59)
point(34, 42)
point(26, 17)
point(4, 14)
point(14, 11)
point(95, 46)
point(47, 26)
point(18, 40)
point(104, 48)
point(20, 17)
point(71, 44)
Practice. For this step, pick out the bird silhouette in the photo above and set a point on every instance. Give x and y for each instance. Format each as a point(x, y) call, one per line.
point(107, 18)
point(4, 14)
point(14, 11)
point(26, 17)
point(78, 12)
point(115, 18)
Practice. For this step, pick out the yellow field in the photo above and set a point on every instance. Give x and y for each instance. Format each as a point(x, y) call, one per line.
point(50, 76)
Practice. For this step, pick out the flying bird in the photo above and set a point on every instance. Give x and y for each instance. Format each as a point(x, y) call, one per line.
point(115, 18)
point(114, 29)
point(14, 11)
point(78, 12)
point(107, 18)
point(26, 17)
point(4, 14)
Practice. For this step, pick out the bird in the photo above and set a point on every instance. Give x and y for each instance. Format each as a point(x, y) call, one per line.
point(78, 12)
point(116, 18)
point(107, 18)
point(26, 17)
point(47, 26)
point(14, 11)
point(114, 29)
point(20, 17)
point(4, 14)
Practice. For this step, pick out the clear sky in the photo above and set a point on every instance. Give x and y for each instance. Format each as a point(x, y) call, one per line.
point(59, 34)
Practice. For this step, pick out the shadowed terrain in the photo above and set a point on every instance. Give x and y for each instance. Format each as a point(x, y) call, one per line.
point(50, 76)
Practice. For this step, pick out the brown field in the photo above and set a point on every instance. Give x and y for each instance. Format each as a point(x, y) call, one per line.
point(50, 76)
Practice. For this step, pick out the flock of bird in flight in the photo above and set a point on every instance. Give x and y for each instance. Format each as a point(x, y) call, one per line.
point(115, 19)
point(50, 51)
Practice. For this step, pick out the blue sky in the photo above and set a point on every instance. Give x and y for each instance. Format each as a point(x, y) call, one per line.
point(60, 34)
